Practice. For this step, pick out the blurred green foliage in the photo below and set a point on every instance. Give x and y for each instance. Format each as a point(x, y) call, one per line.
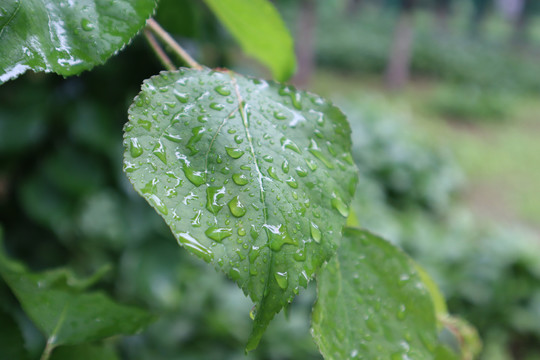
point(64, 199)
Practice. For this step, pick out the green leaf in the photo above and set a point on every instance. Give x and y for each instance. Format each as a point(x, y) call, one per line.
point(261, 32)
point(66, 37)
point(85, 352)
point(11, 339)
point(56, 303)
point(252, 176)
point(372, 304)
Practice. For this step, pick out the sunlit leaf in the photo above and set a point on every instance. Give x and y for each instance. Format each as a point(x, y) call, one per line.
point(65, 37)
point(252, 176)
point(257, 26)
point(372, 304)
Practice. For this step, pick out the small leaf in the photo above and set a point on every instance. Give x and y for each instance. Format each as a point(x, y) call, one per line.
point(372, 304)
point(66, 37)
point(56, 303)
point(261, 32)
point(252, 176)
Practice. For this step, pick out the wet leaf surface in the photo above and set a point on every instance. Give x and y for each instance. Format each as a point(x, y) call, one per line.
point(252, 176)
point(372, 304)
point(65, 37)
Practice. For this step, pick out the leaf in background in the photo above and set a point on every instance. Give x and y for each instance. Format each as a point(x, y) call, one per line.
point(261, 32)
point(372, 304)
point(11, 339)
point(55, 301)
point(85, 352)
point(252, 176)
point(66, 37)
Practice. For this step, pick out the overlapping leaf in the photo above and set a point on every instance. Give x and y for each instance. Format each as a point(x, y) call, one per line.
point(63, 36)
point(372, 304)
point(252, 176)
point(261, 32)
point(57, 304)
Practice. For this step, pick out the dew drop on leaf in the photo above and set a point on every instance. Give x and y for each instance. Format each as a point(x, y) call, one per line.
point(235, 153)
point(237, 208)
point(218, 233)
point(282, 279)
point(135, 148)
point(240, 179)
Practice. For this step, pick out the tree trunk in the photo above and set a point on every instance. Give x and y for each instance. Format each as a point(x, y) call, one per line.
point(305, 51)
point(398, 68)
point(442, 13)
point(521, 24)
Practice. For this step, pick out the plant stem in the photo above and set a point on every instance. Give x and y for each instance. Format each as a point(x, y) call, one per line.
point(166, 38)
point(158, 50)
point(49, 347)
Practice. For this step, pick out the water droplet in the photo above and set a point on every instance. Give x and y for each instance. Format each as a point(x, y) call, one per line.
point(314, 149)
point(285, 166)
point(303, 279)
point(253, 312)
point(241, 232)
point(159, 151)
point(301, 172)
point(278, 236)
point(268, 158)
point(234, 152)
point(188, 241)
point(339, 205)
point(312, 165)
point(197, 178)
point(213, 194)
point(315, 232)
point(238, 139)
point(279, 116)
point(240, 179)
point(292, 182)
point(196, 220)
point(135, 149)
point(145, 124)
point(222, 90)
point(289, 144)
point(237, 208)
point(300, 255)
point(197, 132)
point(282, 279)
point(217, 106)
point(253, 232)
point(87, 25)
point(272, 173)
point(218, 234)
point(183, 98)
point(172, 137)
point(158, 204)
point(293, 94)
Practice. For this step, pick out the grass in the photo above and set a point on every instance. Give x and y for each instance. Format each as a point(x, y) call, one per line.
point(501, 159)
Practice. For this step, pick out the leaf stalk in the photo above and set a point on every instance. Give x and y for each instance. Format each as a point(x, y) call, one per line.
point(175, 47)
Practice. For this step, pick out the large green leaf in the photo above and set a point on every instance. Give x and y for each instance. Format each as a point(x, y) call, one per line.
point(372, 304)
point(252, 176)
point(260, 31)
point(56, 302)
point(65, 37)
